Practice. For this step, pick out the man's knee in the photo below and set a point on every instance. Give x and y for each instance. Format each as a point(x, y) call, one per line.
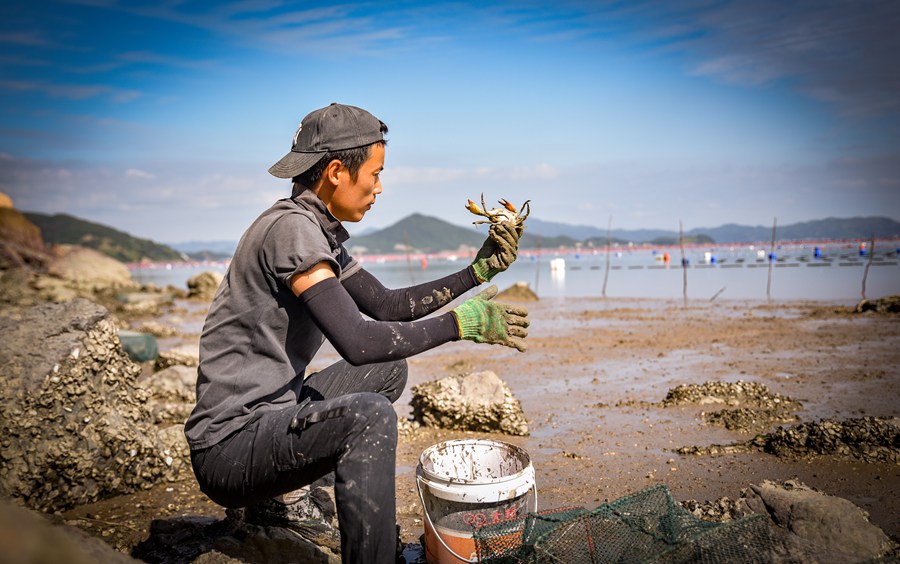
point(378, 412)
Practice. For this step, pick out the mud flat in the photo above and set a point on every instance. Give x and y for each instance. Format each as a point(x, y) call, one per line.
point(612, 389)
point(593, 387)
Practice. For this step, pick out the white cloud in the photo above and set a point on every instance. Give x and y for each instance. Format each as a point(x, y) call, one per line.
point(139, 174)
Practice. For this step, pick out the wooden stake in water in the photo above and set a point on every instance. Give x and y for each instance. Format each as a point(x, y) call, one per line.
point(771, 261)
point(608, 245)
point(683, 261)
point(871, 252)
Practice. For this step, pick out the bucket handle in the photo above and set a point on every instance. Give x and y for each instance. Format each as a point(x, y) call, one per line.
point(439, 538)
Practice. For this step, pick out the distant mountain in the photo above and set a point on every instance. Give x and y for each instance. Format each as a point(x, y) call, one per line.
point(62, 229)
point(830, 228)
point(420, 233)
point(554, 229)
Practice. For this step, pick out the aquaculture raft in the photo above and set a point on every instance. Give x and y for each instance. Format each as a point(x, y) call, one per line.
point(647, 526)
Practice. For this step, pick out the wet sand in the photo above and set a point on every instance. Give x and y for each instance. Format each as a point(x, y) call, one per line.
point(593, 366)
point(587, 382)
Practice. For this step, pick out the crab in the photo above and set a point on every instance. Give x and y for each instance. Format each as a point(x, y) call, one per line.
point(508, 213)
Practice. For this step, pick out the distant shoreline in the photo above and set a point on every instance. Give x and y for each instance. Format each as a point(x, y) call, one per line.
point(823, 244)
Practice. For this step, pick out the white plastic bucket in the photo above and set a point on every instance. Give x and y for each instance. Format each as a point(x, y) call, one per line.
point(466, 484)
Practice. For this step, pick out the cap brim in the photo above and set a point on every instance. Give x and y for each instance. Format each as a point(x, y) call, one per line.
point(294, 164)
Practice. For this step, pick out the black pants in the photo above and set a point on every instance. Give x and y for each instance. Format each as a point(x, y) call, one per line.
point(349, 427)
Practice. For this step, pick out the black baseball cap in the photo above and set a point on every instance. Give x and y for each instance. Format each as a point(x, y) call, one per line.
point(333, 128)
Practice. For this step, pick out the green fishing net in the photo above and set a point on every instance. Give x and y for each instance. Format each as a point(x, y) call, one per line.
point(647, 526)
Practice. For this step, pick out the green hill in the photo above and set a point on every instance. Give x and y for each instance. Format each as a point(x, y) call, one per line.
point(418, 233)
point(62, 229)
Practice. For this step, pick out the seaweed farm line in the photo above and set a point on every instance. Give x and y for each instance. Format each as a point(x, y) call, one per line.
point(798, 271)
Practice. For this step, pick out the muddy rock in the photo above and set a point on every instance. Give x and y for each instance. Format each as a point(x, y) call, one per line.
point(747, 420)
point(518, 292)
point(88, 269)
point(179, 356)
point(203, 286)
point(748, 407)
point(889, 304)
point(143, 302)
point(479, 401)
point(734, 394)
point(157, 329)
point(74, 425)
point(175, 452)
point(808, 525)
point(176, 383)
point(21, 244)
point(871, 439)
point(29, 536)
point(173, 394)
point(837, 528)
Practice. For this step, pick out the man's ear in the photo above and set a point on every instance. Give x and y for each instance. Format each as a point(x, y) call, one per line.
point(332, 171)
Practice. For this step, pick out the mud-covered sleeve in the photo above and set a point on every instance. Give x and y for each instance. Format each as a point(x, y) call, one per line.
point(406, 304)
point(362, 341)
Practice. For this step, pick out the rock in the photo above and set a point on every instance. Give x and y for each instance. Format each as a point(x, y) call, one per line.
point(740, 393)
point(807, 525)
point(157, 329)
point(831, 526)
point(138, 346)
point(21, 244)
point(889, 304)
point(518, 292)
point(872, 439)
point(30, 537)
point(143, 303)
point(184, 356)
point(74, 425)
point(204, 285)
point(479, 401)
point(176, 383)
point(89, 269)
point(174, 394)
point(175, 452)
point(747, 420)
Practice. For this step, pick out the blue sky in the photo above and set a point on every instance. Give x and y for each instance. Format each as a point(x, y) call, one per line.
point(161, 118)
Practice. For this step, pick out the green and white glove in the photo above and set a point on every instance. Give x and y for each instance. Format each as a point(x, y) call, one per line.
point(499, 250)
point(484, 321)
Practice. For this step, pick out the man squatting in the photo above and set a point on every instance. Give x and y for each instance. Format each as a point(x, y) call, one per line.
point(261, 429)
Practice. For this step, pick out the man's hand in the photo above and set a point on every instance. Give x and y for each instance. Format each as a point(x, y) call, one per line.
point(484, 321)
point(499, 250)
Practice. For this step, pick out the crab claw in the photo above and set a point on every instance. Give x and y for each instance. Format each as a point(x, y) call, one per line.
point(526, 208)
point(473, 207)
point(507, 205)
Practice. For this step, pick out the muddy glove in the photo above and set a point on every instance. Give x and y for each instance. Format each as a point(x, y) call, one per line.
point(484, 321)
point(499, 250)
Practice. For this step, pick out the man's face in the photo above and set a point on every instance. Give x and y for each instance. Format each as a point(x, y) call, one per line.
point(353, 198)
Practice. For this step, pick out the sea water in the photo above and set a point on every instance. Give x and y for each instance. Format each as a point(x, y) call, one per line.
point(728, 272)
